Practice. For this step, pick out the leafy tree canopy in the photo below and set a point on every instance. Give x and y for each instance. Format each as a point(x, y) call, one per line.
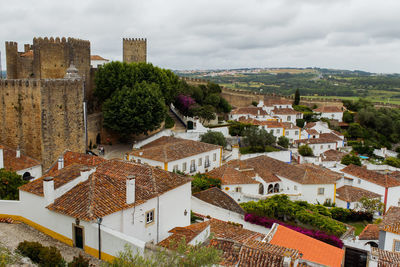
point(135, 110)
point(305, 151)
point(215, 138)
point(9, 183)
point(255, 137)
point(351, 159)
point(283, 141)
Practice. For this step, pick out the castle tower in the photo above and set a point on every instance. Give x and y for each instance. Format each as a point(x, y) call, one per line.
point(12, 60)
point(134, 50)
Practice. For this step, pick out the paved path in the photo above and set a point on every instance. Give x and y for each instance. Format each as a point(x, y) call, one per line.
point(12, 234)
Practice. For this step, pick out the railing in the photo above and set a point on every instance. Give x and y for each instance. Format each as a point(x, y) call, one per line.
point(206, 164)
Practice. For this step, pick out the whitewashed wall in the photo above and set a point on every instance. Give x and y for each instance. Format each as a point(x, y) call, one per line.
point(283, 155)
point(35, 171)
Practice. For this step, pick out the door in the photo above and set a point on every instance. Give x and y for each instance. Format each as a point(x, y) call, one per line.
point(78, 235)
point(355, 258)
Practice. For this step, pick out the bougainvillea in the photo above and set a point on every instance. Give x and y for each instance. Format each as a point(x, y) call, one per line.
point(183, 103)
point(268, 222)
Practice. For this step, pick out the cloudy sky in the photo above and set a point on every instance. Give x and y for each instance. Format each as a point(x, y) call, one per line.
point(204, 34)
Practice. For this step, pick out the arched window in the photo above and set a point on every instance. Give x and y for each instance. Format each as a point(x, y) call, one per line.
point(372, 244)
point(270, 189)
point(27, 176)
point(276, 188)
point(261, 189)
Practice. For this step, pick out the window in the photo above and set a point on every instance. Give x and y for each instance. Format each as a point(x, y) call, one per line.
point(238, 189)
point(200, 161)
point(321, 191)
point(278, 131)
point(139, 161)
point(398, 203)
point(215, 157)
point(396, 245)
point(329, 146)
point(207, 162)
point(296, 133)
point(192, 165)
point(359, 181)
point(175, 168)
point(322, 146)
point(289, 118)
point(150, 217)
point(184, 166)
point(295, 188)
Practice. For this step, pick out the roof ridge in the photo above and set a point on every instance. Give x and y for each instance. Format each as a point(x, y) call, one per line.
point(90, 196)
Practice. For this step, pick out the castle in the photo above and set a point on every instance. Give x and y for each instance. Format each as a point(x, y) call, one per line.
point(43, 108)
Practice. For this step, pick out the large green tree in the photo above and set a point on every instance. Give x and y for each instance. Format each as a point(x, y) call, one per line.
point(9, 183)
point(135, 110)
point(296, 97)
point(351, 159)
point(215, 138)
point(255, 137)
point(305, 151)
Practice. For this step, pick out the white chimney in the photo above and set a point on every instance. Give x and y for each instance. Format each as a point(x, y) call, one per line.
point(130, 189)
point(1, 159)
point(60, 162)
point(48, 190)
point(258, 111)
point(18, 153)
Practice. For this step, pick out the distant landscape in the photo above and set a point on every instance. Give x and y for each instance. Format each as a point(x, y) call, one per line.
point(312, 82)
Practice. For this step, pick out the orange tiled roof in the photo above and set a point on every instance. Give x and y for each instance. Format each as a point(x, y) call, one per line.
point(391, 217)
point(392, 228)
point(27, 54)
point(328, 109)
point(61, 177)
point(386, 258)
point(11, 162)
point(290, 126)
point(269, 124)
point(79, 158)
point(315, 141)
point(330, 136)
point(104, 192)
point(312, 132)
point(371, 176)
point(229, 175)
point(315, 174)
point(370, 232)
point(217, 197)
point(285, 111)
point(312, 249)
point(255, 111)
point(171, 148)
point(350, 193)
point(333, 155)
point(97, 57)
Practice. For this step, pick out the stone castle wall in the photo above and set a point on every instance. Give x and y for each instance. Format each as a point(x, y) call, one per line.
point(134, 50)
point(42, 117)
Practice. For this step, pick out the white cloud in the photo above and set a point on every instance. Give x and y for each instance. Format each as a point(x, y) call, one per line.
point(198, 34)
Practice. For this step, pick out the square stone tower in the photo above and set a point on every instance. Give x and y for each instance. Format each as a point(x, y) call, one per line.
point(134, 50)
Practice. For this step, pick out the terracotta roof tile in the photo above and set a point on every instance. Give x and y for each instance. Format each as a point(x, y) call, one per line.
point(333, 155)
point(328, 109)
point(285, 111)
point(370, 232)
point(330, 136)
point(312, 249)
point(269, 124)
point(217, 197)
point(391, 217)
point(315, 141)
point(392, 228)
point(229, 175)
point(350, 193)
point(27, 54)
point(255, 111)
point(171, 148)
point(371, 176)
point(97, 57)
point(318, 175)
point(104, 192)
point(61, 177)
point(79, 158)
point(312, 132)
point(386, 258)
point(11, 162)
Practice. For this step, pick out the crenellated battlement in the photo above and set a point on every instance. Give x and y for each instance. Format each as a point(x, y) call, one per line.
point(134, 39)
point(11, 44)
point(61, 40)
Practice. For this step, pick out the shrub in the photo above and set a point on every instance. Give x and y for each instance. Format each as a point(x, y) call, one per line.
point(351, 159)
point(79, 261)
point(202, 182)
point(169, 122)
point(283, 141)
point(30, 250)
point(300, 123)
point(44, 256)
point(215, 138)
point(305, 151)
point(392, 161)
point(9, 183)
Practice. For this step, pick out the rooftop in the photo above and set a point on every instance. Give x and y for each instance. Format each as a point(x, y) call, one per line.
point(370, 232)
point(97, 57)
point(350, 193)
point(11, 162)
point(333, 155)
point(315, 141)
point(285, 111)
point(229, 175)
point(386, 258)
point(312, 249)
point(70, 157)
point(269, 124)
point(371, 176)
point(255, 111)
point(217, 197)
point(391, 219)
point(168, 148)
point(328, 109)
point(104, 192)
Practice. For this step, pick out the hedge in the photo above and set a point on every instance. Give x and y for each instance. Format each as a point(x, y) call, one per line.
point(44, 256)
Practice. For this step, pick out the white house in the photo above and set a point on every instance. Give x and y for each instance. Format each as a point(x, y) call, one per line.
point(389, 234)
point(385, 185)
point(286, 114)
point(249, 112)
point(16, 161)
point(134, 203)
point(348, 196)
point(176, 154)
point(318, 145)
point(272, 103)
point(291, 131)
point(330, 112)
point(331, 158)
point(96, 61)
point(319, 126)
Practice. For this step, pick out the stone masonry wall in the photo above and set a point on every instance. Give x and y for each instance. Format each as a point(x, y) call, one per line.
point(134, 50)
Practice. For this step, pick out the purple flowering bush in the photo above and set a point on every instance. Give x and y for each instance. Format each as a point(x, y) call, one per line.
point(268, 222)
point(183, 103)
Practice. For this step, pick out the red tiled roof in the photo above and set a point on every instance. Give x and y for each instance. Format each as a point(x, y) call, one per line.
point(255, 111)
point(317, 174)
point(229, 175)
point(392, 228)
point(391, 217)
point(350, 193)
point(328, 109)
point(312, 249)
point(371, 176)
point(333, 155)
point(171, 148)
point(269, 124)
point(315, 141)
point(290, 126)
point(285, 111)
point(11, 162)
point(386, 258)
point(312, 132)
point(104, 192)
point(370, 232)
point(79, 158)
point(217, 197)
point(61, 177)
point(330, 136)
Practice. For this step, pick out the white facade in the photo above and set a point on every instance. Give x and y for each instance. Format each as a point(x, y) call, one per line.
point(332, 115)
point(318, 149)
point(35, 171)
point(97, 63)
point(387, 241)
point(199, 163)
point(252, 192)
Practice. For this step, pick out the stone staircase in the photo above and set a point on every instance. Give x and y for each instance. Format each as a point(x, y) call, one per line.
point(179, 126)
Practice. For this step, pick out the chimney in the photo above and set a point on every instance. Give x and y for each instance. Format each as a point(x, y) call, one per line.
point(258, 111)
point(60, 162)
point(18, 153)
point(130, 189)
point(48, 190)
point(1, 159)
